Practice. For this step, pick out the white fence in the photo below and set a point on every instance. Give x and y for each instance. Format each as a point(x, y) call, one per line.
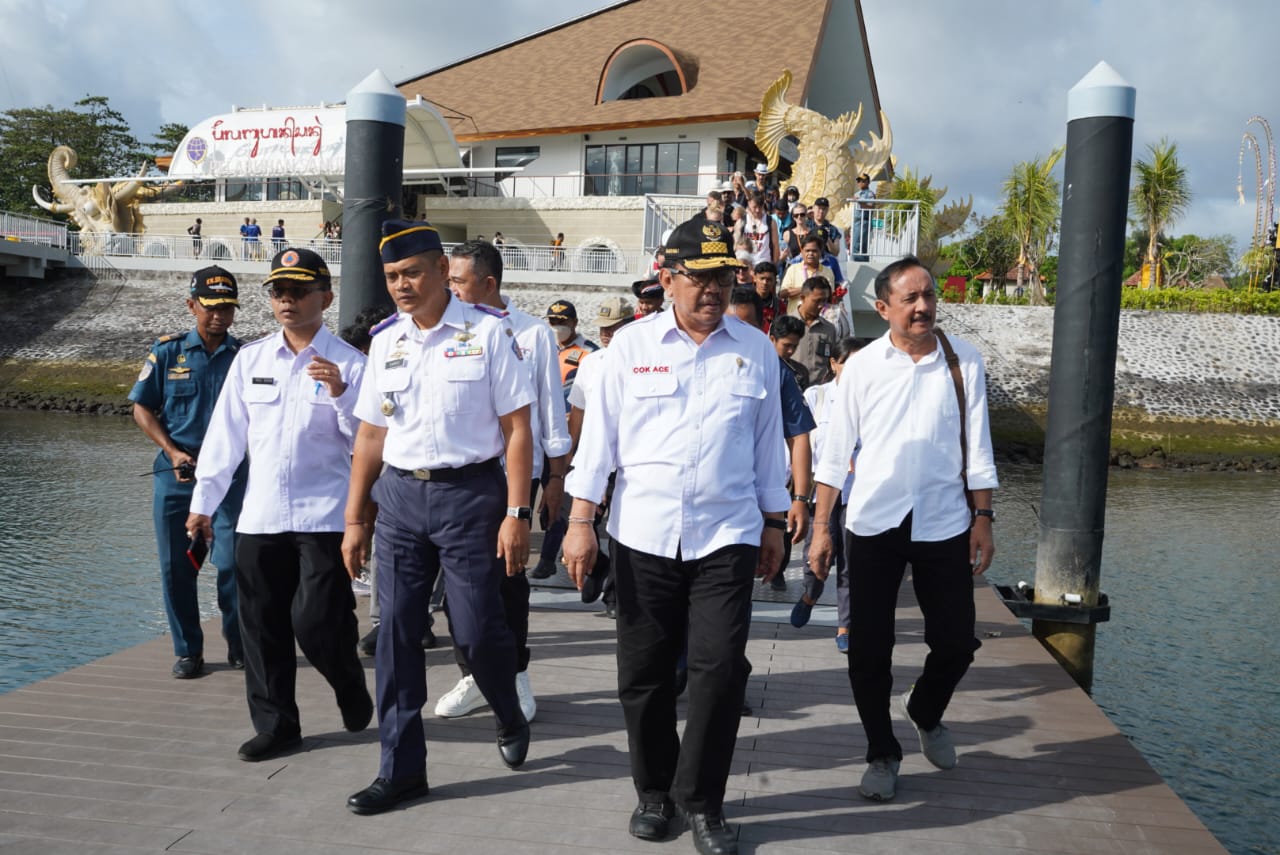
point(210, 247)
point(884, 230)
point(27, 229)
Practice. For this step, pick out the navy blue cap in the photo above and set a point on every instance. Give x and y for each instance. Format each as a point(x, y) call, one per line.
point(403, 239)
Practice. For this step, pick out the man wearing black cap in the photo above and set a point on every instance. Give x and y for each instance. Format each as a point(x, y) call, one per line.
point(863, 201)
point(684, 409)
point(446, 400)
point(287, 406)
point(649, 295)
point(830, 233)
point(172, 402)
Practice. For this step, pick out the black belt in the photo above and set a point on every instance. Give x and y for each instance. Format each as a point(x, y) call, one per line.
point(461, 473)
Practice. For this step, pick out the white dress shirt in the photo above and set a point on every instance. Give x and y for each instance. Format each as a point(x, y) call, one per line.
point(906, 417)
point(439, 392)
point(298, 438)
point(547, 423)
point(583, 380)
point(821, 400)
point(694, 432)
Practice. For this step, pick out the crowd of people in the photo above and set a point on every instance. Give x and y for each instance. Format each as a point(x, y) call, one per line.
point(725, 416)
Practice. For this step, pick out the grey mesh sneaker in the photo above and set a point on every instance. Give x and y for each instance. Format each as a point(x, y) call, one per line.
point(880, 781)
point(935, 744)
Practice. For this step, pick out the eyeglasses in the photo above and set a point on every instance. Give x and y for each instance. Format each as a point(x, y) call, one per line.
point(297, 292)
point(719, 278)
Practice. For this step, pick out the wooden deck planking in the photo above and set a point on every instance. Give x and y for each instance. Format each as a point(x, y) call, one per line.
point(116, 756)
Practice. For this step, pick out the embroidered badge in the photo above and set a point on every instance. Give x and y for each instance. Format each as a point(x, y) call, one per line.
point(462, 349)
point(146, 370)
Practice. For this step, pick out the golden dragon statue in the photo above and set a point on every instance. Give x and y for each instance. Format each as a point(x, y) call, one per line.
point(100, 210)
point(827, 166)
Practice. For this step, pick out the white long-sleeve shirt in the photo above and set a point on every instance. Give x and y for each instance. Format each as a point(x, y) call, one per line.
point(907, 419)
point(694, 432)
point(297, 437)
point(547, 423)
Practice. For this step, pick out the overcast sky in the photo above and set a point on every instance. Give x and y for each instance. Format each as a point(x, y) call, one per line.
point(970, 87)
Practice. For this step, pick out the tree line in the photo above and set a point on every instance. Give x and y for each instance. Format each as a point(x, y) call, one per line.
point(104, 144)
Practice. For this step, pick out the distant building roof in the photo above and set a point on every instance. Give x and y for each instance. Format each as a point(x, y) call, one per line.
point(552, 82)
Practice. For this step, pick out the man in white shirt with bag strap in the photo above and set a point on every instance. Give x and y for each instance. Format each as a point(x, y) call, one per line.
point(922, 456)
point(684, 407)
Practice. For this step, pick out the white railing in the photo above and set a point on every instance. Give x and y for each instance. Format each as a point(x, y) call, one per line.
point(26, 229)
point(213, 248)
point(594, 258)
point(663, 212)
point(884, 230)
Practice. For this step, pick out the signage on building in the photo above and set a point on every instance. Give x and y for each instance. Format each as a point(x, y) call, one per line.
point(299, 142)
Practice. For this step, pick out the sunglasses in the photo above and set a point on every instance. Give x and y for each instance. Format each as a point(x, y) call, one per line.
point(297, 292)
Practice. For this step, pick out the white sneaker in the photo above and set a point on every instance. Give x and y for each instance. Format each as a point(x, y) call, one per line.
point(936, 744)
point(360, 586)
point(528, 705)
point(461, 699)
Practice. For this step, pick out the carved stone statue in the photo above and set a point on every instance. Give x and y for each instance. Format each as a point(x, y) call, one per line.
point(101, 209)
point(826, 166)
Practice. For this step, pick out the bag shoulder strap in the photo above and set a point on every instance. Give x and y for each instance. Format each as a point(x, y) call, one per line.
point(953, 364)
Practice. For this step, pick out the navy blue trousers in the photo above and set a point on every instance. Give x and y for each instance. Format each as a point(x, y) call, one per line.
point(425, 528)
point(943, 582)
point(170, 506)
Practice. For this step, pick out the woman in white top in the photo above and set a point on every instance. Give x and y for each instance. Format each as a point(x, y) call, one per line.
point(758, 227)
point(820, 399)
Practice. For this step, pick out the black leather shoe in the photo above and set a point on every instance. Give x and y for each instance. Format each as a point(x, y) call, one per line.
point(235, 659)
point(369, 644)
point(429, 640)
point(188, 667)
point(357, 712)
point(264, 746)
point(383, 795)
point(711, 834)
point(544, 570)
point(513, 743)
point(651, 820)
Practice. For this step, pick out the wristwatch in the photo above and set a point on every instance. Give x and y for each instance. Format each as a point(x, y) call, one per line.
point(524, 513)
point(985, 512)
point(796, 497)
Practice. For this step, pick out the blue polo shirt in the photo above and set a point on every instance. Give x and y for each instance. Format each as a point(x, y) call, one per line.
point(180, 381)
point(796, 418)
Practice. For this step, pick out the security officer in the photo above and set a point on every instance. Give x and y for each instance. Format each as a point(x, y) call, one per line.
point(445, 399)
point(173, 400)
point(684, 407)
point(286, 407)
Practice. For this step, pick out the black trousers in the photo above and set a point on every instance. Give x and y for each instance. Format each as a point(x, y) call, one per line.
point(293, 586)
point(943, 582)
point(515, 608)
point(659, 599)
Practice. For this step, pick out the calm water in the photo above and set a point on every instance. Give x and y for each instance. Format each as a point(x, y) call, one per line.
point(1187, 667)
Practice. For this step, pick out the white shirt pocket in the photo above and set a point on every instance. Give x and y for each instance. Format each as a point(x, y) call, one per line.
point(466, 390)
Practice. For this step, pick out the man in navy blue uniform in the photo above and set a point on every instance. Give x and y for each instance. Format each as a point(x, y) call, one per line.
point(172, 402)
point(445, 400)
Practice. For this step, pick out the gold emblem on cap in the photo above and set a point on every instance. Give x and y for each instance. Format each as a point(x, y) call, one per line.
point(710, 231)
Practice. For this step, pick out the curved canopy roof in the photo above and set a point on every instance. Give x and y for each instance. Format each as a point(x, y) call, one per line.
point(301, 142)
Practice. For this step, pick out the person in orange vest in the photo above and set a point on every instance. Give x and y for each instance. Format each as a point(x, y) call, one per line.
point(563, 318)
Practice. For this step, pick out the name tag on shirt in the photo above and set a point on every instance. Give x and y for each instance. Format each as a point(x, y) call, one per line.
point(400, 362)
point(264, 381)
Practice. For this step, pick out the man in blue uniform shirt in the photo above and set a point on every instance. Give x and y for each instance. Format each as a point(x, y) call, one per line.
point(172, 402)
point(445, 400)
point(684, 408)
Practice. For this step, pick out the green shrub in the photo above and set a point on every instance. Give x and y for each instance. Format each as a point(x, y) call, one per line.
point(1220, 301)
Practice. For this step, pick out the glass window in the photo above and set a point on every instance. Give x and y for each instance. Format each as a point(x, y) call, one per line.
point(516, 155)
point(639, 168)
point(283, 189)
point(242, 191)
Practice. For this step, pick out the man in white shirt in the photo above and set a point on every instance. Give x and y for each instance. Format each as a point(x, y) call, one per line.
point(446, 398)
point(919, 454)
point(684, 407)
point(287, 406)
point(475, 276)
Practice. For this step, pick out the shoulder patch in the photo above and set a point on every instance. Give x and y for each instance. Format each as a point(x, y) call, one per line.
point(491, 310)
point(383, 324)
point(170, 337)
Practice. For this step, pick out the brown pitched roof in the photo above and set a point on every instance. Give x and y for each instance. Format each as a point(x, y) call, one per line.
point(546, 83)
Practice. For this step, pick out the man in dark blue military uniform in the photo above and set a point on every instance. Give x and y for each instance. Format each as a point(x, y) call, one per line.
point(172, 402)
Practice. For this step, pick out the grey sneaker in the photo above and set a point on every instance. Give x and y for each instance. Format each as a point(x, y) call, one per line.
point(880, 781)
point(936, 744)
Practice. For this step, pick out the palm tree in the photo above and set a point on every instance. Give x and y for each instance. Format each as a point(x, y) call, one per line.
point(1031, 205)
point(1160, 196)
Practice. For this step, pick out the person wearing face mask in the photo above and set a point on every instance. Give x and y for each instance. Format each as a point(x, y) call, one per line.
point(563, 318)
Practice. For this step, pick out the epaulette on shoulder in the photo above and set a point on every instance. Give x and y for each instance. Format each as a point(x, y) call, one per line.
point(492, 310)
point(170, 337)
point(384, 323)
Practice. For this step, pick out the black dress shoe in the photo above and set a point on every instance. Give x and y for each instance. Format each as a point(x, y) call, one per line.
point(264, 746)
point(235, 659)
point(513, 743)
point(357, 712)
point(188, 667)
point(544, 570)
point(383, 794)
point(711, 834)
point(429, 640)
point(369, 644)
point(651, 820)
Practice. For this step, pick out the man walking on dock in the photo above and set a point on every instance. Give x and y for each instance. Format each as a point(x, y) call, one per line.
point(916, 403)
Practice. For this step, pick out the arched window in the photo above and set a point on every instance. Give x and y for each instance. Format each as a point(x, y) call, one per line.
point(641, 68)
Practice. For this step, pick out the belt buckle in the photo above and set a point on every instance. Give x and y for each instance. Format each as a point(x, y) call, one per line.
point(422, 474)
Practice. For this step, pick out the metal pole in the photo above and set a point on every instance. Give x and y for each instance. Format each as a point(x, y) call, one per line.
point(1086, 324)
point(373, 174)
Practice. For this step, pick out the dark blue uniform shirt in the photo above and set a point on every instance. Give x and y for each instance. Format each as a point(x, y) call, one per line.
point(180, 381)
point(796, 418)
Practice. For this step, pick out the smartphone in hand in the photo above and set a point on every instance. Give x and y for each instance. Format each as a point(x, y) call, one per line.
point(197, 549)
